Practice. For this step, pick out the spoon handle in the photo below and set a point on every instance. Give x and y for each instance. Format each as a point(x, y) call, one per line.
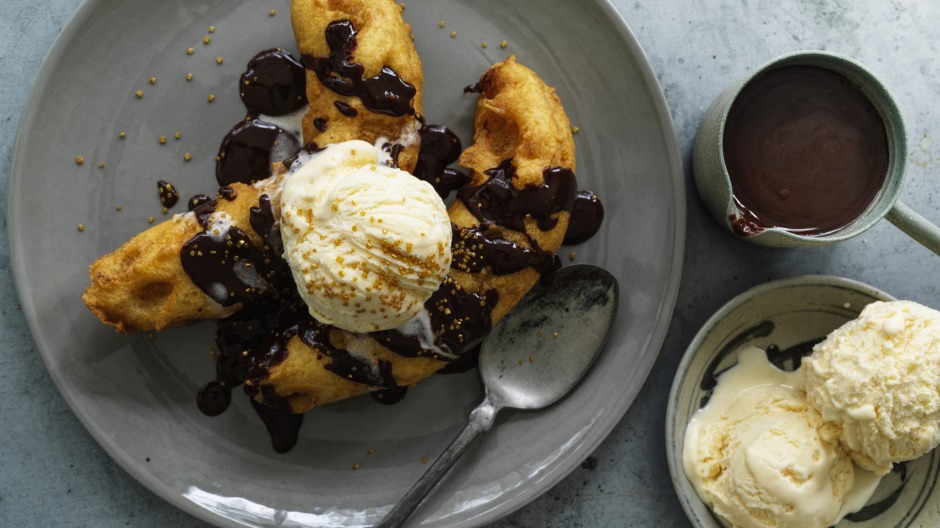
point(481, 420)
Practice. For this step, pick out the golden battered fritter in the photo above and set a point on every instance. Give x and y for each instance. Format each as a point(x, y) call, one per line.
point(142, 286)
point(381, 40)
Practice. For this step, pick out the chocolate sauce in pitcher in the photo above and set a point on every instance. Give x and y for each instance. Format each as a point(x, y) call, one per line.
point(806, 151)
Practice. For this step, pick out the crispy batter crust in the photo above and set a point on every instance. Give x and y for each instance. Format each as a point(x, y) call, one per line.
point(142, 285)
point(383, 40)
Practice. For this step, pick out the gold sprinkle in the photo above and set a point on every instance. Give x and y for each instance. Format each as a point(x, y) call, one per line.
point(165, 210)
point(575, 130)
point(554, 334)
point(81, 227)
point(424, 460)
point(139, 94)
point(531, 359)
point(572, 255)
point(189, 76)
point(453, 34)
point(370, 450)
point(163, 140)
point(503, 43)
point(218, 60)
point(119, 208)
point(355, 466)
point(272, 13)
point(211, 98)
point(483, 44)
point(206, 40)
point(441, 23)
point(189, 51)
point(187, 156)
point(121, 135)
point(177, 135)
point(100, 164)
point(79, 160)
point(149, 219)
point(211, 29)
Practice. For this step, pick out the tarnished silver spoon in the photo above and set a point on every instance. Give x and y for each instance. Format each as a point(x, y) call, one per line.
point(533, 357)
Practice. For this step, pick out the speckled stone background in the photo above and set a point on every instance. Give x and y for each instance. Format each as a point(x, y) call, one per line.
point(53, 474)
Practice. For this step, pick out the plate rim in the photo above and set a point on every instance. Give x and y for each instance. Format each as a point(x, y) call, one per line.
point(594, 437)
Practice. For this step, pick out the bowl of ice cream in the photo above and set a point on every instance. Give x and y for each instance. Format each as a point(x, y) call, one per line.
point(809, 401)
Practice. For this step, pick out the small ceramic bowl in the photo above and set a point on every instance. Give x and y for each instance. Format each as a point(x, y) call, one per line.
point(789, 316)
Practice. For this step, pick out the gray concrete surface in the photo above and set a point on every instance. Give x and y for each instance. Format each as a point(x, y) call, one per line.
point(53, 474)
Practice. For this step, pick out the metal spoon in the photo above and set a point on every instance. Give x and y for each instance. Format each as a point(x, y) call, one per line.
point(533, 357)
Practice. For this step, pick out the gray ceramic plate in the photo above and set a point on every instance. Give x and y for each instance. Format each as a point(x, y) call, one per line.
point(136, 395)
point(789, 313)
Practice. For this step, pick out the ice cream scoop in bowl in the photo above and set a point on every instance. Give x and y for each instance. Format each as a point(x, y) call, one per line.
point(755, 340)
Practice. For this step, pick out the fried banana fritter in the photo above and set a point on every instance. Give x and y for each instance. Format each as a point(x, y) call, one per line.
point(364, 76)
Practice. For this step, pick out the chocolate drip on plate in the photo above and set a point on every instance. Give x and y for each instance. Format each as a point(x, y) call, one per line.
point(197, 200)
point(385, 93)
point(168, 194)
point(273, 84)
point(245, 154)
point(345, 109)
point(390, 396)
point(460, 319)
point(586, 217)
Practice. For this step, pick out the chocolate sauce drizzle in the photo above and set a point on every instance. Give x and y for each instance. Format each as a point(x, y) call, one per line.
point(439, 148)
point(460, 319)
point(497, 201)
point(474, 248)
point(226, 266)
point(197, 200)
point(168, 194)
point(385, 93)
point(227, 193)
point(274, 84)
point(586, 217)
point(245, 154)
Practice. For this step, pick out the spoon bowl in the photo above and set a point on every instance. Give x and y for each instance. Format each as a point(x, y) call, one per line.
point(543, 348)
point(533, 358)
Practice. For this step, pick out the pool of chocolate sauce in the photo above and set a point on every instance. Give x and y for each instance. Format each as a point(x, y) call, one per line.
point(806, 152)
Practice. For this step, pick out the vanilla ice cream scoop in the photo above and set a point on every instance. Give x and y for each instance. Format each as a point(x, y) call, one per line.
point(876, 381)
point(367, 243)
point(755, 456)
